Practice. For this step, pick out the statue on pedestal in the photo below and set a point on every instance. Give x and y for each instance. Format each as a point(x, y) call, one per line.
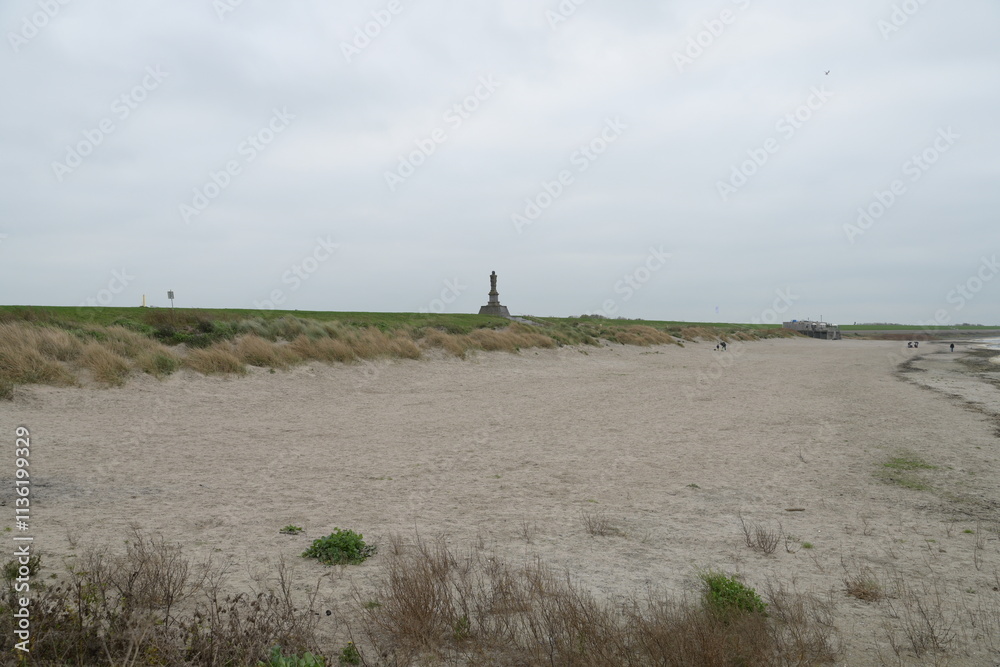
point(493, 306)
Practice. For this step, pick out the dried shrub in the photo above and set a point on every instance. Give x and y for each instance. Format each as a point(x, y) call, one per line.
point(761, 537)
point(152, 605)
point(863, 585)
point(599, 525)
point(436, 606)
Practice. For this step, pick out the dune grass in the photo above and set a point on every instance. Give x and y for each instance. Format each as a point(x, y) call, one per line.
point(107, 366)
point(218, 358)
point(64, 346)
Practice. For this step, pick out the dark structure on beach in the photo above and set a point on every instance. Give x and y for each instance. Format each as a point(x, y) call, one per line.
point(493, 306)
point(813, 329)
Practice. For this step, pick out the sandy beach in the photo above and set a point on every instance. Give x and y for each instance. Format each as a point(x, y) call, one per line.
point(670, 444)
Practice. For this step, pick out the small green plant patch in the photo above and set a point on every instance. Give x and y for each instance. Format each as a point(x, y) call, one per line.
point(12, 570)
point(341, 547)
point(462, 629)
point(349, 655)
point(727, 595)
point(904, 471)
point(291, 530)
point(908, 463)
point(277, 659)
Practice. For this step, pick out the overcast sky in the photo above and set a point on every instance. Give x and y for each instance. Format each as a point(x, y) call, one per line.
point(677, 160)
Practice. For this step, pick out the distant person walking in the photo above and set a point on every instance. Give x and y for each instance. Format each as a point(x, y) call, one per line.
point(723, 346)
point(952, 347)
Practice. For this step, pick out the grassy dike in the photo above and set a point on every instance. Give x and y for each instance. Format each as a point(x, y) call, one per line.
point(63, 346)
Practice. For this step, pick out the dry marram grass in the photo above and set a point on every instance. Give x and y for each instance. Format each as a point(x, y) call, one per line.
point(218, 358)
point(460, 608)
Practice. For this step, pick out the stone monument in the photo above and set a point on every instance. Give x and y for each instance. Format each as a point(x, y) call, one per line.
point(493, 306)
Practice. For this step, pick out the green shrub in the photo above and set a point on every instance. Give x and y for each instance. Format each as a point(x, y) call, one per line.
point(159, 363)
point(726, 594)
point(350, 655)
point(10, 570)
point(132, 325)
point(277, 659)
point(341, 547)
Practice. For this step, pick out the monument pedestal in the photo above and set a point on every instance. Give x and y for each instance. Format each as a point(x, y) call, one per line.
point(495, 310)
point(493, 306)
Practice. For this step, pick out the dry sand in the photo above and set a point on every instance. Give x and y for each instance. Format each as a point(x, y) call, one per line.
point(668, 443)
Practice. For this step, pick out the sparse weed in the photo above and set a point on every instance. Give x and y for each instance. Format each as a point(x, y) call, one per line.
point(599, 525)
point(760, 537)
point(863, 585)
